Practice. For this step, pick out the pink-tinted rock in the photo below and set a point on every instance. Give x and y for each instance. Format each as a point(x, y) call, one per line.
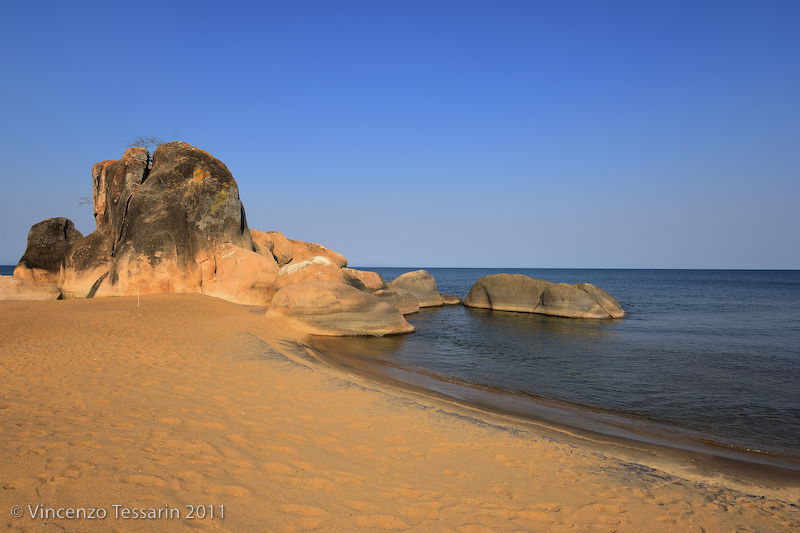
point(317, 268)
point(302, 251)
point(372, 280)
point(275, 243)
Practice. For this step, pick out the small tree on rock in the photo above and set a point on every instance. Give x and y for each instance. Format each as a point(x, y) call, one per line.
point(151, 143)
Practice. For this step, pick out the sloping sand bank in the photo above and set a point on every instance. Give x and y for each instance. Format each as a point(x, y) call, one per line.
point(190, 400)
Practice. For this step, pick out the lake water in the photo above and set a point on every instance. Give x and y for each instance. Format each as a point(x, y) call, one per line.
point(713, 354)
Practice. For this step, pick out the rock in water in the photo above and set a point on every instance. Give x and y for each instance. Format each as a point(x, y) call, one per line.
point(14, 288)
point(421, 284)
point(450, 299)
point(515, 292)
point(337, 309)
point(405, 302)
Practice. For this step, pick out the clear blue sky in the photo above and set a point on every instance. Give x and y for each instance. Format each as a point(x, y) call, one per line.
point(430, 133)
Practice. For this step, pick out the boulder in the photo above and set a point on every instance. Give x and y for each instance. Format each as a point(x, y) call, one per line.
point(239, 275)
point(274, 243)
point(336, 309)
point(403, 301)
point(49, 243)
point(13, 288)
point(317, 268)
point(515, 292)
point(371, 280)
point(301, 251)
point(419, 283)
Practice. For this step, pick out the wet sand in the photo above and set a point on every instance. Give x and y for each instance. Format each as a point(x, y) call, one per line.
point(189, 400)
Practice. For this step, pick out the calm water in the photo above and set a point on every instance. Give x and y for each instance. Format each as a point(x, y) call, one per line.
point(717, 352)
point(6, 270)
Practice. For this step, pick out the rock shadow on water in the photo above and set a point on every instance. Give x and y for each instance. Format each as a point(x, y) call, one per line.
point(531, 323)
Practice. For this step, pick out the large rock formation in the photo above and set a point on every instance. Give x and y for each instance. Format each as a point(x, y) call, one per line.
point(515, 292)
point(171, 224)
point(332, 308)
point(175, 223)
point(14, 288)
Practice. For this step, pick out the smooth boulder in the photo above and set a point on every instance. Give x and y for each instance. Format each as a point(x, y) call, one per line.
point(372, 280)
point(302, 251)
point(273, 243)
point(516, 292)
point(421, 284)
point(403, 301)
point(336, 309)
point(316, 268)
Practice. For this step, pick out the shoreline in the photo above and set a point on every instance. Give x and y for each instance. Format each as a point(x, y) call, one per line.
point(568, 416)
point(191, 399)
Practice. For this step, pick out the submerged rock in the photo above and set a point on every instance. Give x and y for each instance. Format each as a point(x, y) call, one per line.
point(336, 309)
point(450, 299)
point(515, 292)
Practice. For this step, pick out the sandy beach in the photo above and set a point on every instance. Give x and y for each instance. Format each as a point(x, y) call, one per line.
point(190, 401)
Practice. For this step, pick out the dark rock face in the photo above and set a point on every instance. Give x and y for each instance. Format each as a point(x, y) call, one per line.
point(171, 224)
point(174, 219)
point(515, 292)
point(49, 243)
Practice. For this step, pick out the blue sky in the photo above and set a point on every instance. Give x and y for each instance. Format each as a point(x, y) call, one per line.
point(436, 133)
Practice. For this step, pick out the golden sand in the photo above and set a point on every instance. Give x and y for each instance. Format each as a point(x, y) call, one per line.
point(193, 401)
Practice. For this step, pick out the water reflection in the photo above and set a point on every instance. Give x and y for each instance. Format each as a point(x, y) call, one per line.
point(525, 323)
